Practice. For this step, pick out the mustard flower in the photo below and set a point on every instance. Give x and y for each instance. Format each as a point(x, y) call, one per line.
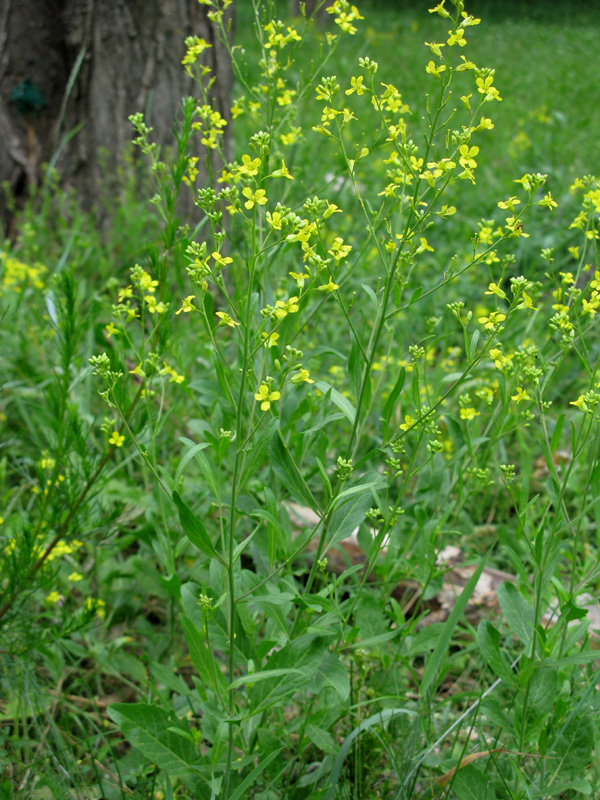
point(408, 423)
point(75, 576)
point(221, 261)
point(435, 47)
point(281, 173)
point(53, 598)
point(302, 377)
point(580, 403)
point(423, 247)
point(526, 302)
point(275, 220)
point(331, 209)
point(145, 282)
point(125, 293)
point(111, 330)
point(300, 277)
point(225, 319)
point(329, 287)
point(493, 288)
point(285, 307)
point(457, 38)
point(269, 339)
point(266, 397)
point(520, 395)
point(548, 202)
point(435, 69)
point(259, 197)
point(467, 156)
point(117, 439)
point(439, 9)
point(494, 319)
point(468, 413)
point(357, 85)
point(249, 166)
point(187, 305)
point(153, 306)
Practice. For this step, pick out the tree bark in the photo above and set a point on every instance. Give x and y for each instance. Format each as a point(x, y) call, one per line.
point(72, 71)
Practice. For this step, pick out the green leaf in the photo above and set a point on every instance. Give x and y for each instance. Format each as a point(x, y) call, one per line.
point(265, 675)
point(488, 639)
point(376, 719)
point(439, 653)
point(202, 657)
point(517, 611)
point(556, 433)
point(194, 529)
point(390, 403)
point(147, 728)
point(257, 456)
point(332, 673)
point(344, 405)
point(286, 470)
point(573, 748)
point(543, 688)
point(187, 458)
point(321, 739)
point(470, 784)
point(304, 654)
point(247, 782)
point(349, 515)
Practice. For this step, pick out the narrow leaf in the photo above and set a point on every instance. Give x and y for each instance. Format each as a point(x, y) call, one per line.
point(194, 529)
point(439, 653)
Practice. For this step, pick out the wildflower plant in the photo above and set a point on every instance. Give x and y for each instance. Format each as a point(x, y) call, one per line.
point(333, 342)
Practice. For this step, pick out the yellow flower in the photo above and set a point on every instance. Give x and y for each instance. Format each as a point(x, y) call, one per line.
point(111, 329)
point(468, 413)
point(265, 397)
point(331, 209)
point(580, 403)
point(225, 319)
point(75, 576)
point(329, 287)
point(457, 38)
point(269, 339)
point(275, 220)
point(520, 395)
point(285, 307)
point(493, 288)
point(302, 376)
point(249, 167)
point(299, 277)
point(526, 302)
point(53, 598)
point(125, 293)
point(146, 283)
point(408, 423)
point(357, 86)
point(117, 439)
point(153, 306)
point(221, 261)
point(187, 305)
point(495, 318)
point(282, 173)
point(548, 202)
point(423, 246)
point(259, 197)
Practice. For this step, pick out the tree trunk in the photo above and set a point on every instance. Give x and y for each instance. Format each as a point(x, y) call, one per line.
point(72, 71)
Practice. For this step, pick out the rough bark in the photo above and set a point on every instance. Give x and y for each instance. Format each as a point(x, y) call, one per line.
point(121, 56)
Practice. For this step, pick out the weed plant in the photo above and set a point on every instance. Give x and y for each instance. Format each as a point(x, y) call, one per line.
point(331, 349)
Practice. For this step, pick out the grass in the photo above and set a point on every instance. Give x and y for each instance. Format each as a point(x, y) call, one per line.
point(119, 598)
